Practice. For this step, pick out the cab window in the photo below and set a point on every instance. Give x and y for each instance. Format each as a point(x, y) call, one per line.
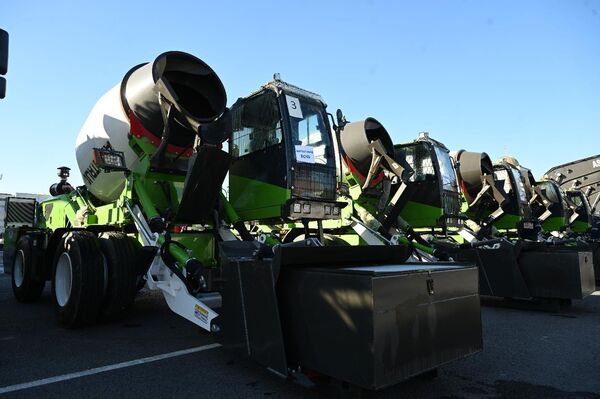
point(256, 124)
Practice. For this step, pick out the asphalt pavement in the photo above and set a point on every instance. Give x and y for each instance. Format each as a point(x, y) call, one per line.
point(527, 354)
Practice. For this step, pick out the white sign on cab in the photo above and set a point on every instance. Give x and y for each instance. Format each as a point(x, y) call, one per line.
point(305, 153)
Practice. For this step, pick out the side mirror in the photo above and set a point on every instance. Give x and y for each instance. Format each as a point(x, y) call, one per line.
point(3, 60)
point(341, 119)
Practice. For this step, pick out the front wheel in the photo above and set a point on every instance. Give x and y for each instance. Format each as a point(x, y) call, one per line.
point(78, 279)
point(26, 286)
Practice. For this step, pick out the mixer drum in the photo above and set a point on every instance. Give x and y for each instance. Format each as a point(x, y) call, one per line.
point(132, 108)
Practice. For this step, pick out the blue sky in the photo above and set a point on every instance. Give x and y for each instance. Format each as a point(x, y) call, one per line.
point(505, 77)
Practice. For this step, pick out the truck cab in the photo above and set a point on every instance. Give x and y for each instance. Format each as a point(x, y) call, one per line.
point(283, 156)
point(518, 213)
point(435, 201)
point(549, 206)
point(581, 212)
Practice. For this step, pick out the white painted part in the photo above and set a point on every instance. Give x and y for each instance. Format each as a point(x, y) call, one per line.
point(158, 269)
point(424, 256)
point(226, 234)
point(181, 302)
point(305, 154)
point(106, 123)
point(19, 268)
point(174, 290)
point(467, 235)
point(148, 237)
point(366, 234)
point(103, 369)
point(63, 279)
point(294, 108)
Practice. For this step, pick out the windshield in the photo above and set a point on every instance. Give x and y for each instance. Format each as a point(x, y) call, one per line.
point(551, 192)
point(419, 159)
point(502, 176)
point(575, 198)
point(446, 169)
point(520, 185)
point(309, 132)
point(256, 124)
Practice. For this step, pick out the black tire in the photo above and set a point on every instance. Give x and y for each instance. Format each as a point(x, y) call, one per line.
point(26, 287)
point(121, 283)
point(431, 374)
point(79, 305)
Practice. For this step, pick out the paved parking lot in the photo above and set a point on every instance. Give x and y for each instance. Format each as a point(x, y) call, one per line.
point(528, 354)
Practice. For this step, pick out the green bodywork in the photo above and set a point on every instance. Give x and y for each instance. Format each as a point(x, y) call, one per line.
point(580, 227)
point(420, 215)
point(554, 223)
point(507, 222)
point(154, 193)
point(257, 200)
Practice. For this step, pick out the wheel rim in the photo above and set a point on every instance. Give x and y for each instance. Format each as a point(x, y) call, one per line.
point(63, 279)
point(18, 271)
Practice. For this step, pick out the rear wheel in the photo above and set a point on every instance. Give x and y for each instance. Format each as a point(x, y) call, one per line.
point(78, 279)
point(118, 252)
point(26, 286)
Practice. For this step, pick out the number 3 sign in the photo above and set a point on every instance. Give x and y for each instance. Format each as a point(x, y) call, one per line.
point(293, 105)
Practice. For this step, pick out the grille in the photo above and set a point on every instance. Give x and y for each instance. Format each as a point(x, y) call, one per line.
point(314, 181)
point(20, 212)
point(451, 202)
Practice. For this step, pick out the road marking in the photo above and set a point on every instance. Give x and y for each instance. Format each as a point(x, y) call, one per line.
point(97, 370)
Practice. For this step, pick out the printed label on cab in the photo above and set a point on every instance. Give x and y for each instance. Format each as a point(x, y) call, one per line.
point(293, 105)
point(201, 313)
point(305, 153)
point(528, 225)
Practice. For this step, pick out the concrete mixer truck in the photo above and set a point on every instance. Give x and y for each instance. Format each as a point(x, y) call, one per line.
point(429, 211)
point(151, 213)
point(580, 180)
point(499, 201)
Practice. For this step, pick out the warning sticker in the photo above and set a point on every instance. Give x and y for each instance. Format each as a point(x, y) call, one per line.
point(293, 105)
point(305, 153)
point(201, 313)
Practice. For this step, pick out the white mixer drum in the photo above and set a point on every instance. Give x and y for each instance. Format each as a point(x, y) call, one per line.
point(200, 98)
